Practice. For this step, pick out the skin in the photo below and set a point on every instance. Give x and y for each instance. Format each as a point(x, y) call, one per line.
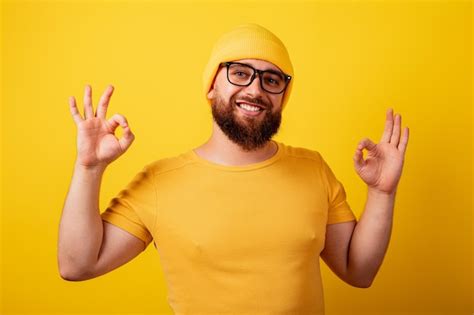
point(353, 250)
point(219, 148)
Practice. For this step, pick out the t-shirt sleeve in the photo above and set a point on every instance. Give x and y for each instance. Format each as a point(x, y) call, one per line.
point(338, 209)
point(134, 208)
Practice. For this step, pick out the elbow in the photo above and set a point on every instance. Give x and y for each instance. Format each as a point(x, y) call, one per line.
point(71, 270)
point(359, 279)
point(68, 276)
point(74, 276)
point(362, 284)
point(68, 273)
point(65, 270)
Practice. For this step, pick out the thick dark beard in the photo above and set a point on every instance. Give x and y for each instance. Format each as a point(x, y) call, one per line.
point(252, 134)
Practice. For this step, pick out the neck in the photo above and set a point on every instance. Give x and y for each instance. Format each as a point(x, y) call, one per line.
point(221, 150)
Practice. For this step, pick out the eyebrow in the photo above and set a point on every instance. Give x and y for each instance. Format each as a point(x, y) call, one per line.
point(268, 69)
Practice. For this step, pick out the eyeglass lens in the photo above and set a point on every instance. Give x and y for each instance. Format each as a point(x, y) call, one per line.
point(241, 75)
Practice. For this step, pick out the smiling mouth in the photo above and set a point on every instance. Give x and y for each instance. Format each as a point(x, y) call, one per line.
point(250, 107)
point(250, 113)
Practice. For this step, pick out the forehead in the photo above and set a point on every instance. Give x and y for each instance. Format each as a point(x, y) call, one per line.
point(259, 64)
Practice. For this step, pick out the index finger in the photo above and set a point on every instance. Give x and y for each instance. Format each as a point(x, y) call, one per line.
point(74, 112)
point(104, 102)
point(388, 126)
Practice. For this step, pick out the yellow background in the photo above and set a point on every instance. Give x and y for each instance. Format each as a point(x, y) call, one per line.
point(352, 61)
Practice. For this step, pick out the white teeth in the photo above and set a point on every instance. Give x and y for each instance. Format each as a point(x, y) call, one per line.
point(249, 107)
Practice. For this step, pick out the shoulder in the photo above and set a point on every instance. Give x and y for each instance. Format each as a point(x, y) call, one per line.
point(302, 153)
point(167, 164)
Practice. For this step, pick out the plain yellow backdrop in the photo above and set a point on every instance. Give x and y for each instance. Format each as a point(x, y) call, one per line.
point(352, 61)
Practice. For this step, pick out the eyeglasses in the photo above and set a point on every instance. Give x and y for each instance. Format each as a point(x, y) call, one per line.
point(241, 74)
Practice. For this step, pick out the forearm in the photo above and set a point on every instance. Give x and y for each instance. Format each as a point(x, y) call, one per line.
point(370, 238)
point(80, 228)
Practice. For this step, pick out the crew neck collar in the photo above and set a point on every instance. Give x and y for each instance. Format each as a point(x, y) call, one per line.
point(191, 154)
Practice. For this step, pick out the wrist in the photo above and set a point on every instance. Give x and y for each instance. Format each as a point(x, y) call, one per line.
point(379, 193)
point(93, 169)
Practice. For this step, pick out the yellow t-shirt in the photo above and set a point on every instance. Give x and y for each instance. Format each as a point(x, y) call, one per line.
point(236, 239)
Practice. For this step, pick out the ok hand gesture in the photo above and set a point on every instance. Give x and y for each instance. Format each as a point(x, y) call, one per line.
point(97, 145)
point(382, 168)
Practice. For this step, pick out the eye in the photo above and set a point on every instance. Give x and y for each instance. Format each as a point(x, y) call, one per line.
point(240, 74)
point(273, 81)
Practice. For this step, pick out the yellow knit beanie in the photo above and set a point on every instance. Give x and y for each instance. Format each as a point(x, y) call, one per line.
point(248, 41)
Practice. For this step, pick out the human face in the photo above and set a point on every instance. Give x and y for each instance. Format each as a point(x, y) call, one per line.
point(250, 130)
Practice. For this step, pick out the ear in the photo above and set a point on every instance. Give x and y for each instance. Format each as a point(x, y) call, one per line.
point(210, 94)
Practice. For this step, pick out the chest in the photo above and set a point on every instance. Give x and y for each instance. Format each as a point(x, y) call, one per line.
point(234, 216)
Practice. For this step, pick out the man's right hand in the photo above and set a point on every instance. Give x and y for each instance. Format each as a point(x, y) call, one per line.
point(97, 145)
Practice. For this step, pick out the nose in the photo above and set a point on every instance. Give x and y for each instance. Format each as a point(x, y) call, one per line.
point(255, 87)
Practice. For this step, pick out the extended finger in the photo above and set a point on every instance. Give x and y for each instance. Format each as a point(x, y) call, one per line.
point(104, 102)
point(396, 130)
point(404, 141)
point(88, 111)
point(74, 112)
point(388, 126)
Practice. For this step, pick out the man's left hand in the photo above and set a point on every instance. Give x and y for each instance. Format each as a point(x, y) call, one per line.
point(382, 168)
